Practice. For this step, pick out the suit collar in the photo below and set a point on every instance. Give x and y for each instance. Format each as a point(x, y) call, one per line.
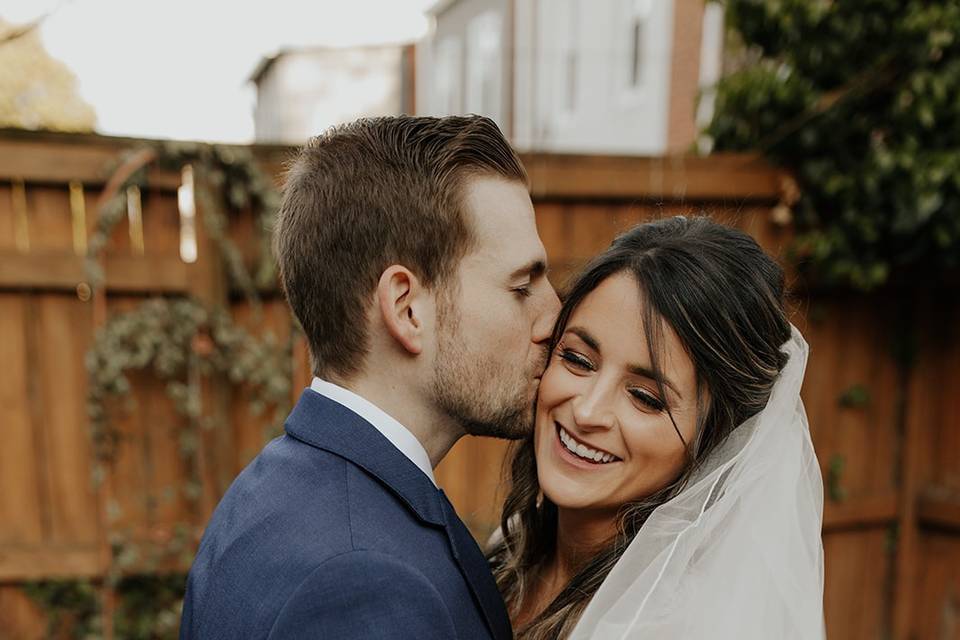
point(399, 435)
point(328, 425)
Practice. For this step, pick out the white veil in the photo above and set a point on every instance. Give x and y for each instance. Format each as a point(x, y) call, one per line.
point(738, 553)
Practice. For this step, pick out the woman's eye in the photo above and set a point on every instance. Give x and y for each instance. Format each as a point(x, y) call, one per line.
point(648, 399)
point(575, 360)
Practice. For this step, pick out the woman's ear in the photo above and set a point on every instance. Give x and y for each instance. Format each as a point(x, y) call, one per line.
point(399, 294)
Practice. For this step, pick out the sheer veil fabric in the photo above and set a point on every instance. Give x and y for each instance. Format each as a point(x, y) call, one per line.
point(738, 553)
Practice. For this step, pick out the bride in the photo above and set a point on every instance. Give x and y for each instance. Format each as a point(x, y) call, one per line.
point(670, 489)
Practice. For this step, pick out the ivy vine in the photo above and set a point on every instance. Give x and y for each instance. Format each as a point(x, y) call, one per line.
point(179, 341)
point(149, 607)
point(226, 178)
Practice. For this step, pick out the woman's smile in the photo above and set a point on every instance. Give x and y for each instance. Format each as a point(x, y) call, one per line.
point(581, 452)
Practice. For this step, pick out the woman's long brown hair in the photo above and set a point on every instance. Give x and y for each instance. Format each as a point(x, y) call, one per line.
point(723, 296)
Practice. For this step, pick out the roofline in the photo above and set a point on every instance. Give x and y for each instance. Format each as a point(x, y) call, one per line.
point(267, 61)
point(440, 6)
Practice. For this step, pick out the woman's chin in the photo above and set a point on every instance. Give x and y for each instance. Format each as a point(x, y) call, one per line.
point(563, 492)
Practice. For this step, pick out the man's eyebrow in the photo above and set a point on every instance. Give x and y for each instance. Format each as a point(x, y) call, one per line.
point(635, 369)
point(534, 268)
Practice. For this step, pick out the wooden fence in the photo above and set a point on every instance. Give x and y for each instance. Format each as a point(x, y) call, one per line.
point(882, 389)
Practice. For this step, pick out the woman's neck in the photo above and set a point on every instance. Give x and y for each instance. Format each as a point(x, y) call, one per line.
point(581, 534)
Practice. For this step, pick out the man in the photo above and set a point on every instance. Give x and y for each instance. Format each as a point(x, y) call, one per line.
point(408, 250)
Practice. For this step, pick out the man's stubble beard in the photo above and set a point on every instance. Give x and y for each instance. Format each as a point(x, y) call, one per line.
point(472, 390)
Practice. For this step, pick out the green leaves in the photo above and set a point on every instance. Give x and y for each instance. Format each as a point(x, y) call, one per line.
point(859, 101)
point(179, 339)
point(856, 397)
point(835, 490)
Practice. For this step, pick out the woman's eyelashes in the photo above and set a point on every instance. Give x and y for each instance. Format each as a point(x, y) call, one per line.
point(574, 359)
point(648, 399)
point(579, 363)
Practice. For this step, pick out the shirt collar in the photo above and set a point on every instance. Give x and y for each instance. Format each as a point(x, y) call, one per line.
point(392, 430)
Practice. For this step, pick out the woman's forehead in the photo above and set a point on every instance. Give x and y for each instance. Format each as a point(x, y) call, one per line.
point(615, 314)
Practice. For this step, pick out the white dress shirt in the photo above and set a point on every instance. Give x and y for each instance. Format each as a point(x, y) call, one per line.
point(392, 430)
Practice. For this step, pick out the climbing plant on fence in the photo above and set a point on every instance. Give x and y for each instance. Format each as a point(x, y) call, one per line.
point(180, 341)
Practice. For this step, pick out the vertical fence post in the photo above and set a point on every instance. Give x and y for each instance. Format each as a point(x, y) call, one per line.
point(210, 286)
point(911, 434)
point(105, 491)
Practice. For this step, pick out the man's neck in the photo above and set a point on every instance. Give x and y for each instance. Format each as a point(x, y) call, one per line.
point(436, 433)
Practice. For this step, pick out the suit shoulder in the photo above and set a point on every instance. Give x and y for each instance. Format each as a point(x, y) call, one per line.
point(365, 593)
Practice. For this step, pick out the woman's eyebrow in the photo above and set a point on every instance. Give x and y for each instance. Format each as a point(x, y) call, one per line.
point(646, 372)
point(586, 336)
point(635, 369)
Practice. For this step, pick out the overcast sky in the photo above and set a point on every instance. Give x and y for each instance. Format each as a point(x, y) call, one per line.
point(179, 68)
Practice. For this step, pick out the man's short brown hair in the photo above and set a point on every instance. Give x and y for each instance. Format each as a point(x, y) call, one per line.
point(372, 193)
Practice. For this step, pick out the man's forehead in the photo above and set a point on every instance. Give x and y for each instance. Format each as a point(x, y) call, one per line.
point(503, 223)
point(510, 241)
point(494, 204)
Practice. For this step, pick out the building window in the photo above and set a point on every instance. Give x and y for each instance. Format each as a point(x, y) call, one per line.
point(571, 59)
point(636, 52)
point(484, 66)
point(447, 99)
point(637, 19)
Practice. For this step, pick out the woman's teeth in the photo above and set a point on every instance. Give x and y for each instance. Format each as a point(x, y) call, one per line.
point(581, 451)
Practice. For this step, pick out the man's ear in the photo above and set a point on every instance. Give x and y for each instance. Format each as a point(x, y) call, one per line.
point(400, 298)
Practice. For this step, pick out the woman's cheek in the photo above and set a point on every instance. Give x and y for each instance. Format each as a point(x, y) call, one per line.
point(557, 384)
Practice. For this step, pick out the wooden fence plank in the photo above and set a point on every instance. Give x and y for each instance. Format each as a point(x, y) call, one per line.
point(64, 333)
point(48, 214)
point(251, 431)
point(937, 588)
point(940, 512)
point(59, 162)
point(38, 563)
point(208, 284)
point(161, 224)
point(856, 574)
point(64, 271)
point(590, 177)
point(20, 493)
point(20, 617)
point(867, 512)
point(592, 227)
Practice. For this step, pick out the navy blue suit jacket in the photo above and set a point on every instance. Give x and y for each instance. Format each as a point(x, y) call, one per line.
point(331, 532)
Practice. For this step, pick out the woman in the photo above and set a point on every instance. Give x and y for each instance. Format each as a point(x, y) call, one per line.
point(670, 489)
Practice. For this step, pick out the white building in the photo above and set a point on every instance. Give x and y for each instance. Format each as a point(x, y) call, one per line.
point(581, 76)
point(301, 92)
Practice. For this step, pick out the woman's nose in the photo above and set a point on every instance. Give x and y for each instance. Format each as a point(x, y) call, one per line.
point(594, 409)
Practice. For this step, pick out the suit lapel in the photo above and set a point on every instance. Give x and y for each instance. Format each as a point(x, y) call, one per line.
point(477, 572)
point(328, 425)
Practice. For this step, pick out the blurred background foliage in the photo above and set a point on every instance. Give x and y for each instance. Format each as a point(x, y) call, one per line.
point(861, 101)
point(37, 91)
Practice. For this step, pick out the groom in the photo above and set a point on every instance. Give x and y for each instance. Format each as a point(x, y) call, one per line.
point(409, 252)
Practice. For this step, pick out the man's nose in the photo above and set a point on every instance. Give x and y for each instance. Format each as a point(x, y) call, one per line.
point(543, 325)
